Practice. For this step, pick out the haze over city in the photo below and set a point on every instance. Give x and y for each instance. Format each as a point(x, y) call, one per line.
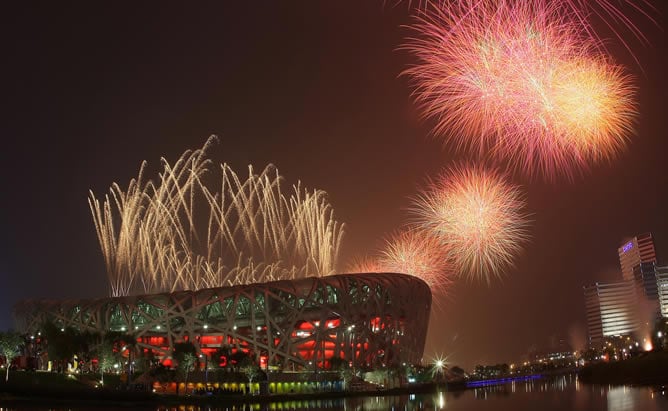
point(314, 88)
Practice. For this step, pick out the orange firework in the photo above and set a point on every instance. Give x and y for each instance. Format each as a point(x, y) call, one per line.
point(478, 219)
point(591, 107)
point(418, 253)
point(523, 82)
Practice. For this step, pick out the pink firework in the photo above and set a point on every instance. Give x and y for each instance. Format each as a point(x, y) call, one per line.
point(365, 265)
point(494, 78)
point(418, 253)
point(478, 219)
point(621, 18)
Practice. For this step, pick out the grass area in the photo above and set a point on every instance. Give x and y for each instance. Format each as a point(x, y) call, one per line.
point(55, 386)
point(647, 369)
point(25, 380)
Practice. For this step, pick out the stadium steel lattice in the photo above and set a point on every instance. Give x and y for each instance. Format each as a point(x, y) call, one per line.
point(364, 319)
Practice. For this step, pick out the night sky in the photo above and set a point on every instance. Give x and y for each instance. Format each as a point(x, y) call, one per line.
point(91, 89)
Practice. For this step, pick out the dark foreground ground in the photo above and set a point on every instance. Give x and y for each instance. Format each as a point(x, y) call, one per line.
point(648, 369)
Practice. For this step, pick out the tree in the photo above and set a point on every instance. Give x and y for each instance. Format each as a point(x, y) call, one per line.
point(61, 343)
point(247, 364)
point(185, 354)
point(342, 367)
point(120, 342)
point(10, 348)
point(106, 358)
point(457, 373)
point(252, 371)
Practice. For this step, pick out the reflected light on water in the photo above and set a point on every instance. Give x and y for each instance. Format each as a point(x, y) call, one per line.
point(441, 401)
point(619, 399)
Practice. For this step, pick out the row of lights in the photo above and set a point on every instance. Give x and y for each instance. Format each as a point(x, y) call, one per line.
point(259, 328)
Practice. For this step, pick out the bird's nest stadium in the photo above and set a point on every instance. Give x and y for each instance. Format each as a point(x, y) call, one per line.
point(362, 319)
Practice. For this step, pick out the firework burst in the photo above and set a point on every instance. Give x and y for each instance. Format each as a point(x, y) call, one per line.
point(516, 80)
point(591, 107)
point(418, 253)
point(477, 218)
point(178, 234)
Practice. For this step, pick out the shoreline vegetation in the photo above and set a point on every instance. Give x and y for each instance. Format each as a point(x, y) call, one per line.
point(53, 389)
point(646, 369)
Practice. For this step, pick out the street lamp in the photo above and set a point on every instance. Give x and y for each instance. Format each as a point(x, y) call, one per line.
point(206, 368)
point(351, 331)
point(129, 370)
point(438, 368)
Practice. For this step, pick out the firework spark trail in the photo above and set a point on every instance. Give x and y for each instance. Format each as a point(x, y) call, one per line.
point(152, 240)
point(618, 16)
point(612, 15)
point(508, 79)
point(478, 219)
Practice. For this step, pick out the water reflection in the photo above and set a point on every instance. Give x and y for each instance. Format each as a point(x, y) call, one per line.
point(553, 394)
point(619, 399)
point(550, 394)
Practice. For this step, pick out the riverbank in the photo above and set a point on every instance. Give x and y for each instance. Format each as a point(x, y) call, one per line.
point(647, 369)
point(29, 389)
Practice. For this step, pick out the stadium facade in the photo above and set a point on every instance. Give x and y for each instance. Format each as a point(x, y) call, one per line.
point(363, 319)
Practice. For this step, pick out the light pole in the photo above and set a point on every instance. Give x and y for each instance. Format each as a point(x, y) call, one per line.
point(129, 370)
point(206, 368)
point(438, 370)
point(351, 332)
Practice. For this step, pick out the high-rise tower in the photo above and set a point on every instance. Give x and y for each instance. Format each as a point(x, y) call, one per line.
point(638, 260)
point(636, 251)
point(662, 289)
point(610, 310)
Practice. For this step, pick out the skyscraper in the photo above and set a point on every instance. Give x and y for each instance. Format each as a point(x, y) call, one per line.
point(662, 289)
point(610, 310)
point(637, 250)
point(637, 258)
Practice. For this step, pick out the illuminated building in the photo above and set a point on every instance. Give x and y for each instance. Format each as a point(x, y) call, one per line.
point(636, 251)
point(662, 289)
point(637, 258)
point(363, 319)
point(610, 310)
